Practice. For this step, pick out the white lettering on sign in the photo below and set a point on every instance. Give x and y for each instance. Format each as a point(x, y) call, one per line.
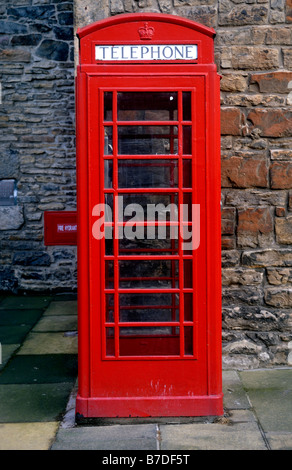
point(63, 228)
point(149, 52)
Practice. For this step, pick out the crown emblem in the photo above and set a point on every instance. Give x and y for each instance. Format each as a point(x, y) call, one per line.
point(146, 32)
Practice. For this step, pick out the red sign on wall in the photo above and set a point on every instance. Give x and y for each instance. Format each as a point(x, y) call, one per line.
point(60, 228)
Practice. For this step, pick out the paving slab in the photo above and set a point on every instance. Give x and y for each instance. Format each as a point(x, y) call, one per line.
point(57, 323)
point(238, 434)
point(13, 334)
point(7, 351)
point(25, 302)
point(66, 307)
point(49, 343)
point(270, 393)
point(280, 440)
point(11, 317)
point(234, 393)
point(68, 420)
point(27, 436)
point(120, 437)
point(49, 368)
point(26, 403)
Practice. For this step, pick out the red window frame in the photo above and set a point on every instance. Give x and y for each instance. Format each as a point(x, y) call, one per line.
point(116, 291)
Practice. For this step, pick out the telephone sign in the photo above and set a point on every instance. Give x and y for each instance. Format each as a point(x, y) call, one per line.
point(149, 52)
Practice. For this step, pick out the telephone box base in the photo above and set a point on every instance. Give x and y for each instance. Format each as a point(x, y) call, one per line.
point(129, 407)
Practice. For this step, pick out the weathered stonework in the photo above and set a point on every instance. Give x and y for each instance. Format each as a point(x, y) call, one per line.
point(11, 218)
point(254, 56)
point(37, 143)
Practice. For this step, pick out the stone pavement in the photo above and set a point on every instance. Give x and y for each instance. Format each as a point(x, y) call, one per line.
point(38, 387)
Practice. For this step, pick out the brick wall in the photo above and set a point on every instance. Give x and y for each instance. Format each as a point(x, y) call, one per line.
point(254, 57)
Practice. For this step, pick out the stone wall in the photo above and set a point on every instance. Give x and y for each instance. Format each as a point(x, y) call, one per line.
point(254, 57)
point(37, 142)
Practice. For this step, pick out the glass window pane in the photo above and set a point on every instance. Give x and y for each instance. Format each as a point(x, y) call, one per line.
point(147, 173)
point(187, 106)
point(148, 274)
point(188, 307)
point(109, 207)
point(142, 341)
point(188, 334)
point(187, 140)
point(108, 140)
point(109, 242)
point(108, 106)
point(149, 307)
point(108, 174)
point(187, 207)
point(187, 243)
point(147, 106)
point(109, 274)
point(149, 207)
point(110, 341)
point(150, 246)
point(162, 300)
point(147, 140)
point(188, 273)
point(149, 314)
point(187, 173)
point(109, 308)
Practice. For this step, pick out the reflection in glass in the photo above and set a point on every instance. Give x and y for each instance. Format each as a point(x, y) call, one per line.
point(188, 307)
point(188, 337)
point(110, 341)
point(187, 173)
point(187, 209)
point(188, 273)
point(159, 300)
point(109, 207)
point(109, 242)
point(155, 246)
point(147, 173)
point(108, 106)
point(109, 274)
point(109, 308)
point(147, 106)
point(161, 207)
point(108, 174)
point(187, 106)
point(187, 140)
point(147, 140)
point(148, 274)
point(150, 314)
point(149, 308)
point(108, 140)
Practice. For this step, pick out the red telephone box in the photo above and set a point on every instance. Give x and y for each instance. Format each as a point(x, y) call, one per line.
point(148, 130)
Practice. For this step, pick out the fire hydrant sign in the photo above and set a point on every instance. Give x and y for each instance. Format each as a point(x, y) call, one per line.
point(146, 52)
point(60, 228)
point(65, 228)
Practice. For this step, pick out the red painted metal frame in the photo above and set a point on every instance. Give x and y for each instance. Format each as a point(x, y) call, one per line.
point(180, 191)
point(157, 385)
